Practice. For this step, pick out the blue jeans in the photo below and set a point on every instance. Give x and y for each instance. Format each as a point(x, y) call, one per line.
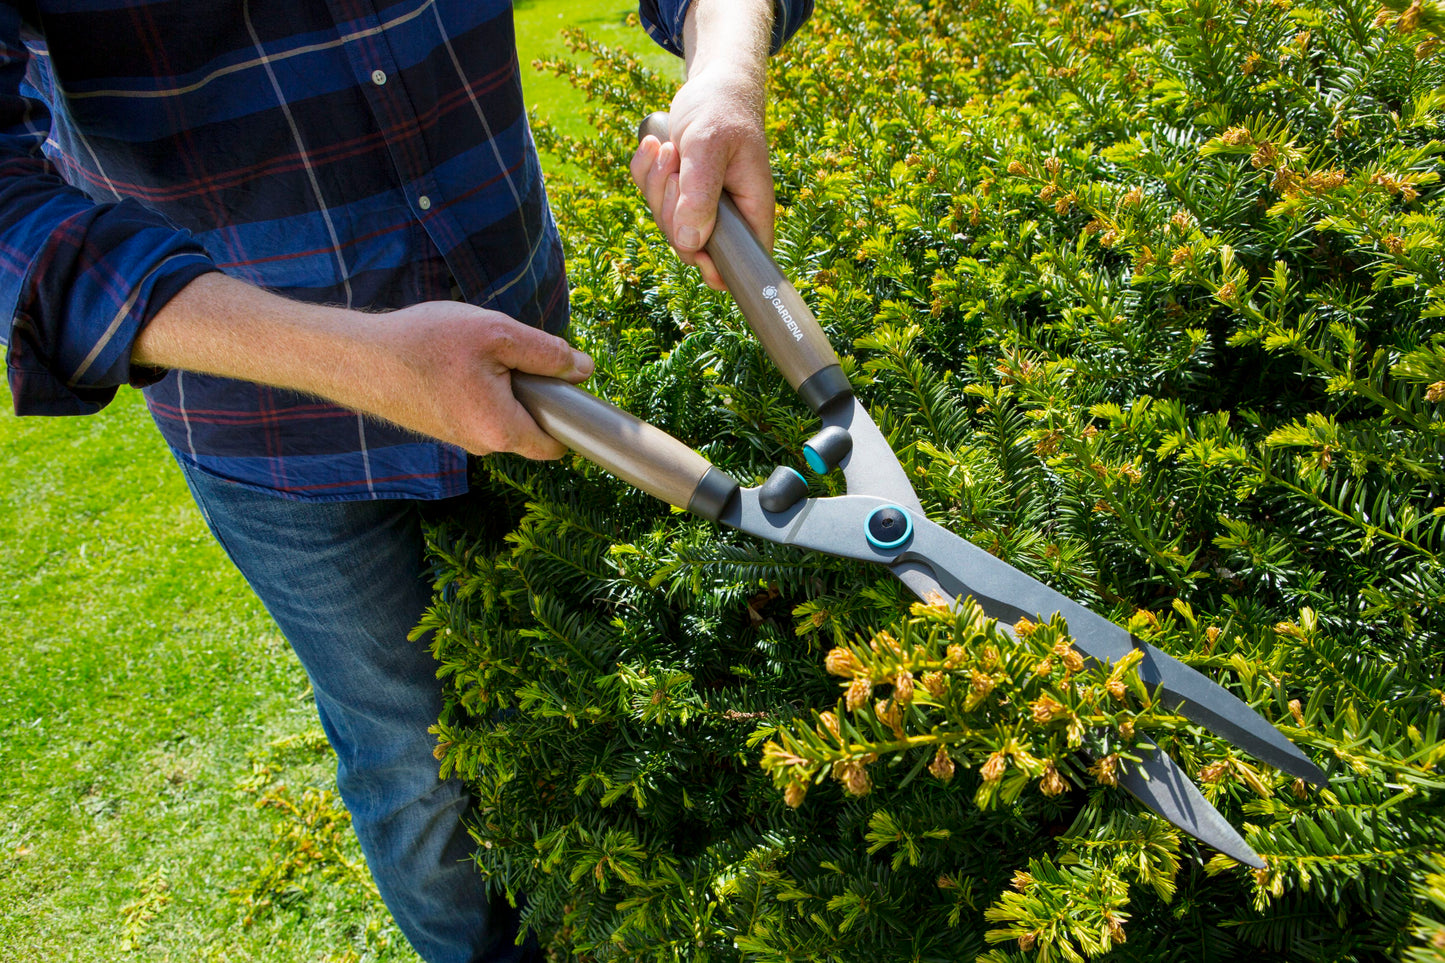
point(346, 582)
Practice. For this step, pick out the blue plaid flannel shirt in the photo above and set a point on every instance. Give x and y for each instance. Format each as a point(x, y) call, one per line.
point(358, 152)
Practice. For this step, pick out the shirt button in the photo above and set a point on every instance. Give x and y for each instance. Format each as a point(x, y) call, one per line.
point(424, 202)
point(378, 77)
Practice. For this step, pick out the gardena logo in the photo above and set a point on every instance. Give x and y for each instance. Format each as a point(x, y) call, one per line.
point(771, 293)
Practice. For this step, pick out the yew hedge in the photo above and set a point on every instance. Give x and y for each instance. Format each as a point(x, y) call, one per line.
point(1147, 297)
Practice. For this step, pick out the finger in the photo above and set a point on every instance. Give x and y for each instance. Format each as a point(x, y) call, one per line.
point(749, 181)
point(664, 168)
point(666, 213)
point(699, 259)
point(642, 160)
point(710, 274)
point(527, 437)
point(700, 178)
point(757, 203)
point(515, 345)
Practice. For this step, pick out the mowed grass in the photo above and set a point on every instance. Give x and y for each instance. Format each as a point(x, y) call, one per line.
point(140, 678)
point(539, 36)
point(147, 702)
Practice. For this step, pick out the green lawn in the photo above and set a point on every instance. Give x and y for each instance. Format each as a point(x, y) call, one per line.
point(539, 26)
point(139, 682)
point(147, 703)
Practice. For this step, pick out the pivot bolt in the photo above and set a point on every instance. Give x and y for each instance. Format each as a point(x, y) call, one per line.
point(888, 527)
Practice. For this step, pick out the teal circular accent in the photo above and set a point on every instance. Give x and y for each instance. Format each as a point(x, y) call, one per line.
point(814, 460)
point(888, 527)
point(798, 473)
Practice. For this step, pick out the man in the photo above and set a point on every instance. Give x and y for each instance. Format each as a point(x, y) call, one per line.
point(317, 235)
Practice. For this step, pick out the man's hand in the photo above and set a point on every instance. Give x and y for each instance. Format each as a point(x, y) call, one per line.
point(718, 142)
point(442, 368)
point(446, 371)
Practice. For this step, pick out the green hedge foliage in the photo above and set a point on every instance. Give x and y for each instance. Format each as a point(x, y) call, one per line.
point(1147, 298)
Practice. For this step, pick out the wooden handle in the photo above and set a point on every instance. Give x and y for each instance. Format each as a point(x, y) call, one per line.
point(627, 446)
point(775, 311)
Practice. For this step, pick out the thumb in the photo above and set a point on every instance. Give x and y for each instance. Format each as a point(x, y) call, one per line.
point(524, 348)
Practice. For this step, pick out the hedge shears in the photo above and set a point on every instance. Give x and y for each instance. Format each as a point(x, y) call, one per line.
point(881, 520)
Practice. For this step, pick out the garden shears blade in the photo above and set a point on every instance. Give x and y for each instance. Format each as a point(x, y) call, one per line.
point(881, 520)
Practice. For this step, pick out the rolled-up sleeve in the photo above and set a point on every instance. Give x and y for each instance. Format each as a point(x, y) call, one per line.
point(78, 279)
point(663, 20)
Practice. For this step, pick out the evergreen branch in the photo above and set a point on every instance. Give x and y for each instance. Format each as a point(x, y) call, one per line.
point(1371, 531)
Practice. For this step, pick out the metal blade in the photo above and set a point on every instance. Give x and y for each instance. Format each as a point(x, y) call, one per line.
point(1156, 780)
point(1162, 786)
point(961, 569)
point(871, 468)
point(1007, 594)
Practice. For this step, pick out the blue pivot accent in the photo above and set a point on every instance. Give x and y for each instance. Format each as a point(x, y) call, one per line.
point(888, 527)
point(814, 460)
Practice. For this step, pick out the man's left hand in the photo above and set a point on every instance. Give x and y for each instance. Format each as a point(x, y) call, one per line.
point(718, 141)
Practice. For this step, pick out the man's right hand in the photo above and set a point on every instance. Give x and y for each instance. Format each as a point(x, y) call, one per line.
point(441, 368)
point(446, 372)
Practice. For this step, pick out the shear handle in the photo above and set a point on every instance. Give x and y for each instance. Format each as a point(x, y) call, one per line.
point(641, 454)
point(775, 311)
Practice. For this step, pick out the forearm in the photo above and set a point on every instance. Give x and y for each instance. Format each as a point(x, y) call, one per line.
point(730, 34)
point(665, 20)
point(221, 326)
point(440, 368)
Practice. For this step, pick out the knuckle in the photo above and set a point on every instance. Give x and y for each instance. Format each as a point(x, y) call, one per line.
point(498, 341)
point(561, 353)
point(706, 135)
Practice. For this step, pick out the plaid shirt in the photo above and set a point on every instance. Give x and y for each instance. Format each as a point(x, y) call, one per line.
point(369, 153)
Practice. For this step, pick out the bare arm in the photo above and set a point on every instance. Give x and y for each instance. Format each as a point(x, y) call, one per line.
point(441, 368)
point(718, 139)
